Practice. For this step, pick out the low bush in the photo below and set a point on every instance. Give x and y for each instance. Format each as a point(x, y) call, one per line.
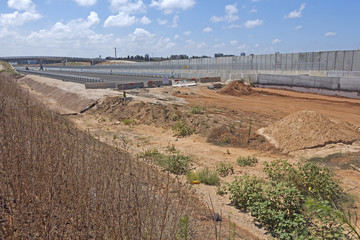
point(247, 161)
point(182, 129)
point(197, 110)
point(224, 168)
point(174, 163)
point(294, 202)
point(128, 121)
point(205, 176)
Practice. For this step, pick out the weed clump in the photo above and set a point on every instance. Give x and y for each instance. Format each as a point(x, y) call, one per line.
point(174, 163)
point(205, 176)
point(182, 129)
point(224, 168)
point(294, 202)
point(247, 161)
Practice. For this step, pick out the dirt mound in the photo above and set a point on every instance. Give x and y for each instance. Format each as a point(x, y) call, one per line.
point(308, 129)
point(237, 88)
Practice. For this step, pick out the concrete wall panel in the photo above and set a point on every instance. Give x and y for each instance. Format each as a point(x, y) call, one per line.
point(316, 61)
point(272, 62)
point(348, 59)
point(351, 84)
point(323, 60)
point(339, 63)
point(309, 59)
point(302, 61)
point(356, 61)
point(288, 61)
point(295, 61)
point(331, 60)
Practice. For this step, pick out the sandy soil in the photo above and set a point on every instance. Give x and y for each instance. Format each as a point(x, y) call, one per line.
point(265, 108)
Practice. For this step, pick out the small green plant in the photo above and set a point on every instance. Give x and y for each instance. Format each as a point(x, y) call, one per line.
point(175, 163)
point(171, 149)
point(175, 106)
point(224, 168)
point(127, 121)
point(197, 110)
point(183, 228)
point(247, 161)
point(205, 176)
point(115, 136)
point(182, 129)
point(228, 152)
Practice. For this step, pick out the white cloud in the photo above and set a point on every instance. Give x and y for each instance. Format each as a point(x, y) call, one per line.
point(233, 42)
point(297, 13)
point(176, 36)
point(187, 33)
point(257, 45)
point(253, 23)
point(125, 20)
point(168, 6)
point(207, 29)
point(144, 20)
point(21, 5)
point(298, 27)
point(330, 34)
point(120, 20)
point(175, 21)
point(85, 3)
point(127, 6)
point(254, 10)
point(161, 21)
point(276, 41)
point(76, 33)
point(141, 34)
point(230, 11)
point(18, 19)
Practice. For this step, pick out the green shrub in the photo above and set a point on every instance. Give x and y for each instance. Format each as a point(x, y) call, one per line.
point(174, 163)
point(205, 176)
point(309, 178)
point(197, 110)
point(244, 191)
point(127, 121)
point(281, 203)
point(224, 168)
point(247, 161)
point(182, 129)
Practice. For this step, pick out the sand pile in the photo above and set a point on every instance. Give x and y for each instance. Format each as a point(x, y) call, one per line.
point(308, 129)
point(237, 88)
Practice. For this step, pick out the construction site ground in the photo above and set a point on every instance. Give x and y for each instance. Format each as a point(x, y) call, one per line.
point(150, 113)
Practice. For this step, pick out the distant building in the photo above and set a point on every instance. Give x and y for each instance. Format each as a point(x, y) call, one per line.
point(218, 55)
point(182, 56)
point(242, 54)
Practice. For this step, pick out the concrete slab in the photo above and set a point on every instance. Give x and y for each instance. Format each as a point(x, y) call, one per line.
point(356, 61)
point(316, 61)
point(331, 60)
point(351, 84)
point(323, 60)
point(348, 59)
point(339, 62)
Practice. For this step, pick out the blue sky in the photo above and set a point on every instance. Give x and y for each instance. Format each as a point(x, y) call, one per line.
point(89, 28)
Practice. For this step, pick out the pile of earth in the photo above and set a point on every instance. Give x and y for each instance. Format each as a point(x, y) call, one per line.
point(308, 129)
point(229, 135)
point(237, 88)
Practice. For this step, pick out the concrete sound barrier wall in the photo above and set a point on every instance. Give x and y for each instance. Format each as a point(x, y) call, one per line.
point(125, 86)
point(102, 85)
point(209, 79)
point(331, 83)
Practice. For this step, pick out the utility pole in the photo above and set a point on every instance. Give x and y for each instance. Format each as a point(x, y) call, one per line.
point(115, 53)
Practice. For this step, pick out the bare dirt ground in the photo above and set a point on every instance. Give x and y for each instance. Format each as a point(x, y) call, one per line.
point(224, 116)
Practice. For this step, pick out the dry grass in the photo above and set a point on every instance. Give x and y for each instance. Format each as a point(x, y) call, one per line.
point(60, 183)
